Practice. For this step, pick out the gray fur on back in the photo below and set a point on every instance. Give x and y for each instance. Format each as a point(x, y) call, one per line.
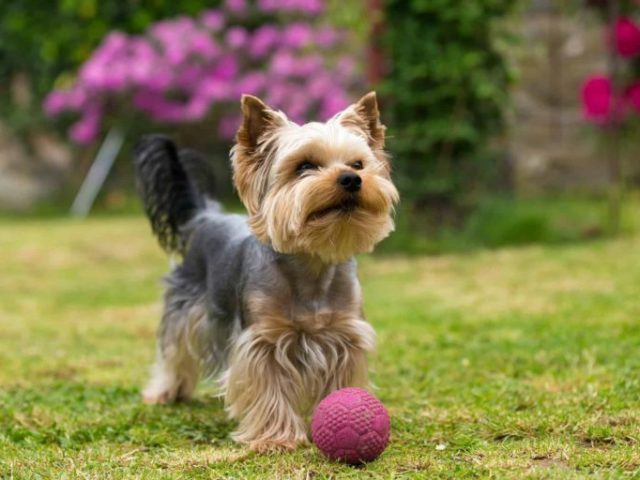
point(224, 262)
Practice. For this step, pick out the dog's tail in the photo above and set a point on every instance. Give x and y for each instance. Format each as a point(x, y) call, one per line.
point(174, 186)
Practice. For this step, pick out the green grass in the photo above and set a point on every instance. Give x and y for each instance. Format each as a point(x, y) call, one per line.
point(509, 363)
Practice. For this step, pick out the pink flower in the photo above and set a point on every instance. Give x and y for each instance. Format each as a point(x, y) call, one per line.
point(251, 83)
point(97, 71)
point(183, 25)
point(181, 67)
point(597, 99)
point(236, 37)
point(319, 85)
point(213, 88)
point(77, 98)
point(201, 44)
point(55, 103)
point(277, 93)
point(140, 71)
point(175, 54)
point(92, 71)
point(113, 42)
point(297, 105)
point(226, 68)
point(197, 108)
point(263, 40)
point(86, 130)
point(160, 79)
point(159, 108)
point(626, 37)
point(267, 5)
point(141, 49)
point(166, 111)
point(188, 76)
point(236, 6)
point(283, 63)
point(212, 19)
point(310, 7)
point(297, 35)
point(334, 102)
point(115, 78)
point(308, 66)
point(83, 132)
point(141, 60)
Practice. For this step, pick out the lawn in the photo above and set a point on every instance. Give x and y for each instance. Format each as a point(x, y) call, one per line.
point(511, 363)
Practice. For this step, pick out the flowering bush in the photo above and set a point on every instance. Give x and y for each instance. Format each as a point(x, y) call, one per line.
point(182, 69)
point(626, 38)
point(603, 102)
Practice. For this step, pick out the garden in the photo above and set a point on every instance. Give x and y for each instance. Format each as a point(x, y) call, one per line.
point(506, 301)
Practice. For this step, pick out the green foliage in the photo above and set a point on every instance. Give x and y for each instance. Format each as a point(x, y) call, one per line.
point(446, 93)
point(45, 41)
point(498, 221)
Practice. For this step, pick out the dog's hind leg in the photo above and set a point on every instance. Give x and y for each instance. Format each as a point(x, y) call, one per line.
point(174, 375)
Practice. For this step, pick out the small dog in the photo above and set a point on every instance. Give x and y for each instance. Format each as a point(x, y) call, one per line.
point(270, 303)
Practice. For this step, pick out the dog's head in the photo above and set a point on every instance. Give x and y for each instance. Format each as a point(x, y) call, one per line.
point(322, 189)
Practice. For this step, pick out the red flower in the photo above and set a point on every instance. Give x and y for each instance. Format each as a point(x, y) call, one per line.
point(632, 96)
point(626, 37)
point(597, 99)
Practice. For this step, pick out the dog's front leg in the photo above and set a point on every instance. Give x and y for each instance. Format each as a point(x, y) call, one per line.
point(265, 393)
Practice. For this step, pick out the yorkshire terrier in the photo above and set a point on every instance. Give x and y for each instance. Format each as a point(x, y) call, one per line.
point(270, 303)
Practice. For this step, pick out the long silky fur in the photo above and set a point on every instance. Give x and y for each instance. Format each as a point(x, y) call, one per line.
point(169, 195)
point(270, 305)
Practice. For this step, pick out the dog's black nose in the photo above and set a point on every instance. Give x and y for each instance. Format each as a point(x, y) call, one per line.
point(350, 181)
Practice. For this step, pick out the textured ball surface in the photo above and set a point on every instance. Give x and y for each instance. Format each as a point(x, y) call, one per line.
point(351, 425)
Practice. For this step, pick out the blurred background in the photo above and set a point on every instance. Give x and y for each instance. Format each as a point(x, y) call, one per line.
point(509, 122)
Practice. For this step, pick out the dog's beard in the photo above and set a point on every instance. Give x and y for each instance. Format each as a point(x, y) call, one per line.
point(314, 217)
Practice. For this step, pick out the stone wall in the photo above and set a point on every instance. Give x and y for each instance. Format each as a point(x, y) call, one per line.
point(30, 169)
point(31, 166)
point(552, 147)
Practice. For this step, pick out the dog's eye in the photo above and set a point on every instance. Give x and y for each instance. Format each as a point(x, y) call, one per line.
point(357, 165)
point(306, 165)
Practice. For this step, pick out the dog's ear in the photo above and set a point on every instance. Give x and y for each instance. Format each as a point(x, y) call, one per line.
point(251, 154)
point(365, 116)
point(257, 120)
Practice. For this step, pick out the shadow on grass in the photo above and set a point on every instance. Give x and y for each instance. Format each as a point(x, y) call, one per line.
point(74, 414)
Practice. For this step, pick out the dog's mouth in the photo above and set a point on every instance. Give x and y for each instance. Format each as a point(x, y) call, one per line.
point(345, 207)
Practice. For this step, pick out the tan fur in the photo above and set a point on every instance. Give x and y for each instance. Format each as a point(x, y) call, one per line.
point(296, 342)
point(282, 365)
point(282, 205)
point(364, 118)
point(250, 163)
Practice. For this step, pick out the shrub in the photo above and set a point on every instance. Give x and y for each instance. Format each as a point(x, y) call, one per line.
point(446, 93)
point(42, 43)
point(179, 69)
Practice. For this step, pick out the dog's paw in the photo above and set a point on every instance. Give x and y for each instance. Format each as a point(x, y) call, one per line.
point(152, 396)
